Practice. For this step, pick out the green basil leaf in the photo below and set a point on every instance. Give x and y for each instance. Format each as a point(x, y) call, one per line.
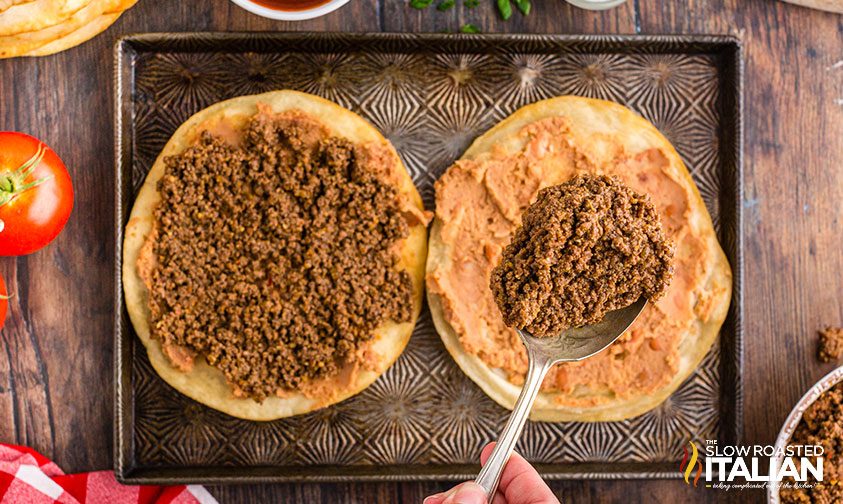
point(505, 8)
point(420, 4)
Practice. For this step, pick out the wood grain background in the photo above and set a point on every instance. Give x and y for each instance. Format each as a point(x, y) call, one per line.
point(55, 367)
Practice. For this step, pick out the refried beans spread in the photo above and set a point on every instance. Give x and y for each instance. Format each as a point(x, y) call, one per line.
point(479, 203)
point(585, 247)
point(275, 256)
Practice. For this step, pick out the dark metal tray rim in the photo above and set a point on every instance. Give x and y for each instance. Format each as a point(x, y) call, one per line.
point(211, 41)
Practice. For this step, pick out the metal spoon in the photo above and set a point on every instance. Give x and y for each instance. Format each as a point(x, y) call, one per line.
point(574, 344)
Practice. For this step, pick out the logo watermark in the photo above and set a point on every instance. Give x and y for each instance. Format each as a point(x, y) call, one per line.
point(738, 467)
point(687, 467)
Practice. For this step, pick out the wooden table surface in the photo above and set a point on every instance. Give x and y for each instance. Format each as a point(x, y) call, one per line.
point(56, 370)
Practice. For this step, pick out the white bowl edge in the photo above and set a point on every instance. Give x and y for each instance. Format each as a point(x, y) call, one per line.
point(319, 10)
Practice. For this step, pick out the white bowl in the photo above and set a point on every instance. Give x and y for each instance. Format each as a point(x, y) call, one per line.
point(596, 4)
point(319, 10)
point(825, 383)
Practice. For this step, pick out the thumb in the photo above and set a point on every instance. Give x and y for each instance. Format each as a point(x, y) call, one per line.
point(467, 493)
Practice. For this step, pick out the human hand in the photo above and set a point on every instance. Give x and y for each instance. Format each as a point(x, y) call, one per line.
point(520, 484)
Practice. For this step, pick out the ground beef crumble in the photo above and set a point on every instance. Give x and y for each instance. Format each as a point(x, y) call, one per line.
point(585, 247)
point(831, 344)
point(821, 424)
point(276, 259)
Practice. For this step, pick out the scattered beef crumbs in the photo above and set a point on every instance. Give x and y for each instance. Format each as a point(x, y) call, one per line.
point(585, 247)
point(831, 344)
point(276, 259)
point(822, 424)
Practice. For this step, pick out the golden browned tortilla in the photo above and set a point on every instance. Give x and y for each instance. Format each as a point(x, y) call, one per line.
point(43, 27)
point(479, 202)
point(207, 384)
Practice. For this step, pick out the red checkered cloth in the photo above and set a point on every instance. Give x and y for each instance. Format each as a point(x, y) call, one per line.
point(28, 477)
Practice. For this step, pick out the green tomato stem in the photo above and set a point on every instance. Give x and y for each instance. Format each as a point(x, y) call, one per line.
point(13, 182)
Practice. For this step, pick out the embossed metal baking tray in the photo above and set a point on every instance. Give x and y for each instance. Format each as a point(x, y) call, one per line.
point(424, 419)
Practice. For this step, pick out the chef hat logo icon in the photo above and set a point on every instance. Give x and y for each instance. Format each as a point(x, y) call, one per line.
point(686, 467)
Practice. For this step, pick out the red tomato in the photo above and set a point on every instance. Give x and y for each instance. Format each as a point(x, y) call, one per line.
point(4, 302)
point(36, 195)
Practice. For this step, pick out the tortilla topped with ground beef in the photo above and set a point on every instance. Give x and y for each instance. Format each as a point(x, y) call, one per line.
point(273, 260)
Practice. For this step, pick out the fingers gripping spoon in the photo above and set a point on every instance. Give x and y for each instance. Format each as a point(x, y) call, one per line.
point(574, 344)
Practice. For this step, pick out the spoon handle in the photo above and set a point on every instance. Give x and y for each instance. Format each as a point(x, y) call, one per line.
point(490, 474)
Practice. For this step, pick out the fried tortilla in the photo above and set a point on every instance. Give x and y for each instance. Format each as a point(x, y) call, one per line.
point(479, 203)
point(8, 4)
point(78, 36)
point(60, 33)
point(22, 17)
point(226, 122)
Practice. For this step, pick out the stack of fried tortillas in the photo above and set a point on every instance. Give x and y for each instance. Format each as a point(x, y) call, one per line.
point(42, 27)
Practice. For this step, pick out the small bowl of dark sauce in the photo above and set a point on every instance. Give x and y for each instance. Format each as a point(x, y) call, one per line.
point(290, 10)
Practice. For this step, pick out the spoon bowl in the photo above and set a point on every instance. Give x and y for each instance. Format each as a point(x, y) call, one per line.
point(574, 344)
point(578, 343)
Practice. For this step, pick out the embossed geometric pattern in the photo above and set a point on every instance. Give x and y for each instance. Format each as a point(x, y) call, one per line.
point(466, 419)
point(431, 103)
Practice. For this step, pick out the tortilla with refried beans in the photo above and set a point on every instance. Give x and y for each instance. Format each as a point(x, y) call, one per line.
point(479, 203)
